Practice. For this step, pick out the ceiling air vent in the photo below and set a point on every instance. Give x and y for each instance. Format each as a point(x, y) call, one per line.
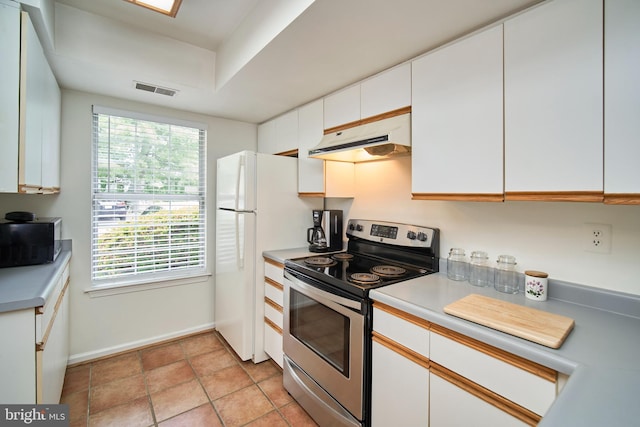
point(155, 89)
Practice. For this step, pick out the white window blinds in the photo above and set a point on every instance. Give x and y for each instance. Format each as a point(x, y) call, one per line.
point(148, 198)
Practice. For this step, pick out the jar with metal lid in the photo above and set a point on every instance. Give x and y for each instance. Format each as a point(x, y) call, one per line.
point(506, 279)
point(457, 265)
point(535, 285)
point(480, 272)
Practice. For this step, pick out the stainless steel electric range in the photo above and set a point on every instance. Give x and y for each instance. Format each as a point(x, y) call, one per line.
point(328, 315)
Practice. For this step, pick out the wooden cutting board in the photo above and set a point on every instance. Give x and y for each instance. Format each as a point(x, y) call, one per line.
point(534, 325)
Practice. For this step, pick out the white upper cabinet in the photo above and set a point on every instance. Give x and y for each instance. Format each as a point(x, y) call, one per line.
point(279, 135)
point(387, 91)
point(622, 101)
point(310, 132)
point(553, 102)
point(51, 132)
point(382, 93)
point(342, 107)
point(457, 120)
point(30, 107)
point(9, 101)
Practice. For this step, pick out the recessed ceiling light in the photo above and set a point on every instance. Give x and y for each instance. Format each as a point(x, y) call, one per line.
point(166, 7)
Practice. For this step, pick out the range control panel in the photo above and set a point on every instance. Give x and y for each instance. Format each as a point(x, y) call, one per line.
point(392, 233)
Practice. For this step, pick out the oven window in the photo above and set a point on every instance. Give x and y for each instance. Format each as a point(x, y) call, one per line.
point(323, 330)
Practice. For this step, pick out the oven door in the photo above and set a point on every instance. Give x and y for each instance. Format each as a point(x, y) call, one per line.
point(324, 337)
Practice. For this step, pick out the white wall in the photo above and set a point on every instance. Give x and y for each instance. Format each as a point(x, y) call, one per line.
point(542, 236)
point(102, 325)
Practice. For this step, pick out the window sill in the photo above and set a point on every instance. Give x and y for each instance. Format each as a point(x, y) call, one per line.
point(123, 288)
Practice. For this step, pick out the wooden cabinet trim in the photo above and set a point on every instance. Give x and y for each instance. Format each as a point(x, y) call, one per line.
point(555, 196)
point(400, 349)
point(310, 194)
point(273, 283)
point(274, 263)
point(462, 197)
point(376, 118)
point(418, 321)
point(273, 304)
point(622, 199)
point(523, 414)
point(517, 361)
point(289, 153)
point(273, 326)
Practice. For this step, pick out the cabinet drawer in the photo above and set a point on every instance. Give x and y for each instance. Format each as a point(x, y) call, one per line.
point(403, 328)
point(274, 291)
point(46, 313)
point(274, 270)
point(525, 383)
point(273, 343)
point(273, 312)
point(447, 400)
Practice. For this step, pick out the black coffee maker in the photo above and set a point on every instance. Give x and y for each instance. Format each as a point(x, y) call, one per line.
point(324, 241)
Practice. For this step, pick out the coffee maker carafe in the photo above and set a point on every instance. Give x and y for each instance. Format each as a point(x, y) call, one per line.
point(326, 233)
point(315, 235)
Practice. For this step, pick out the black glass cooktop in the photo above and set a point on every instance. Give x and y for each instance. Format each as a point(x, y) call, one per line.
point(355, 273)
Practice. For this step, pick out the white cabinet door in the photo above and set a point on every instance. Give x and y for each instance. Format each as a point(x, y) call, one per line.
point(52, 360)
point(267, 137)
point(279, 135)
point(32, 106)
point(310, 132)
point(9, 101)
point(287, 132)
point(51, 133)
point(399, 390)
point(451, 406)
point(622, 101)
point(457, 124)
point(342, 107)
point(553, 102)
point(387, 91)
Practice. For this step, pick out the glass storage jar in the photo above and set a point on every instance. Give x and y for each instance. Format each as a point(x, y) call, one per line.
point(480, 272)
point(457, 265)
point(506, 279)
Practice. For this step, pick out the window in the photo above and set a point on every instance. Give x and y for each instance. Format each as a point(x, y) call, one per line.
point(148, 198)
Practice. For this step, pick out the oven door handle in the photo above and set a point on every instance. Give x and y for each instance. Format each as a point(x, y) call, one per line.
point(319, 293)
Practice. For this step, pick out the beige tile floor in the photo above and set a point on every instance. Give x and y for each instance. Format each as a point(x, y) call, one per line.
point(191, 382)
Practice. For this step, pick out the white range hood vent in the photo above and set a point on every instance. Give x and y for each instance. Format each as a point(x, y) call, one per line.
point(379, 140)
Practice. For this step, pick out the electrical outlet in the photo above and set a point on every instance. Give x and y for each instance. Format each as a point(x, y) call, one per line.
point(598, 238)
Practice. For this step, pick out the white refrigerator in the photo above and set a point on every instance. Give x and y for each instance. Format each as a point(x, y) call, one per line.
point(258, 209)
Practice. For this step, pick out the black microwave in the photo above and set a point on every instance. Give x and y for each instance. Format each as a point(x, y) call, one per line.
point(29, 242)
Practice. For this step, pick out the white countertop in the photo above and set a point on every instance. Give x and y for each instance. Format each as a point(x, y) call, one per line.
point(30, 286)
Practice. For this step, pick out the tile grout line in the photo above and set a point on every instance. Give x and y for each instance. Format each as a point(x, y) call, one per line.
point(146, 388)
point(195, 373)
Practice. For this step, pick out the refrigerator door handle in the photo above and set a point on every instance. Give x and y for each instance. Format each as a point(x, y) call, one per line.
point(240, 190)
point(240, 241)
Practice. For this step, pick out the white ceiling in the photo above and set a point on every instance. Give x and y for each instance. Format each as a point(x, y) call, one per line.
point(251, 60)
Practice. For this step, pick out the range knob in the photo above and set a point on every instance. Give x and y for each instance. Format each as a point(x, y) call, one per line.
point(422, 236)
point(351, 226)
point(411, 235)
point(359, 227)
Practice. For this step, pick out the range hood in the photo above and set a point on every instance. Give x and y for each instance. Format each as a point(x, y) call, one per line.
point(379, 140)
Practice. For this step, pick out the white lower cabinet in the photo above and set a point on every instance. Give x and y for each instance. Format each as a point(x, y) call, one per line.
point(400, 369)
point(273, 309)
point(399, 389)
point(32, 367)
point(424, 374)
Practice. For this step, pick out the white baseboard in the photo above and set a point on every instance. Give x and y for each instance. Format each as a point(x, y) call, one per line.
point(91, 355)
